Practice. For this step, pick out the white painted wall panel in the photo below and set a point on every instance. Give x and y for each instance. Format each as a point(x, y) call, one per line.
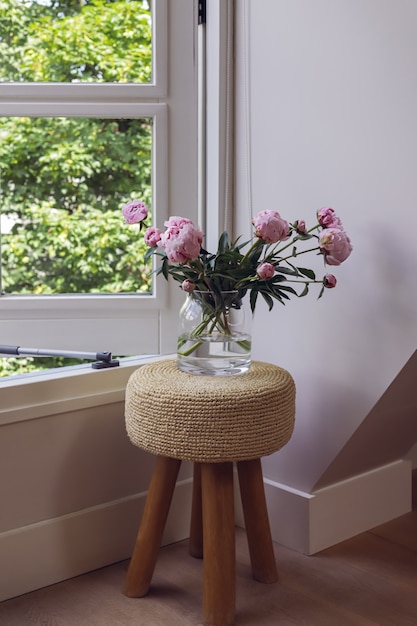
point(332, 91)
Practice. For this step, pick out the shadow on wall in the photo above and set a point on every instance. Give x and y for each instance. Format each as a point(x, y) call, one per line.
point(387, 434)
point(356, 405)
point(389, 431)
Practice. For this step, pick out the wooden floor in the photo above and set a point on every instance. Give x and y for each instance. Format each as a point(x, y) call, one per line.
point(370, 579)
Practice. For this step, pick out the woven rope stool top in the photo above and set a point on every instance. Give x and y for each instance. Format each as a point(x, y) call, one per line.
point(210, 419)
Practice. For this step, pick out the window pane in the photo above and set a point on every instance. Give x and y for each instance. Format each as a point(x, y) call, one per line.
point(63, 182)
point(27, 365)
point(67, 41)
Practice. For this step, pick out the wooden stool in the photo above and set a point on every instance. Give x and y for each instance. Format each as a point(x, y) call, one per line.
point(214, 422)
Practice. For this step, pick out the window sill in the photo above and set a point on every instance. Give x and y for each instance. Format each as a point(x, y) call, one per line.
point(67, 389)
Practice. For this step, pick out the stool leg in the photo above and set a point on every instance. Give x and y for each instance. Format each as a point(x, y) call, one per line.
point(148, 542)
point(219, 586)
point(196, 527)
point(258, 531)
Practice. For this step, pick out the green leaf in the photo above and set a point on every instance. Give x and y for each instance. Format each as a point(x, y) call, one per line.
point(292, 271)
point(165, 268)
point(223, 243)
point(149, 252)
point(268, 300)
point(278, 278)
point(304, 292)
point(252, 299)
point(304, 237)
point(306, 272)
point(288, 289)
point(255, 254)
point(280, 294)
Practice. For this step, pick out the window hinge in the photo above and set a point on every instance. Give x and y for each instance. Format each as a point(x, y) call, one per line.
point(202, 11)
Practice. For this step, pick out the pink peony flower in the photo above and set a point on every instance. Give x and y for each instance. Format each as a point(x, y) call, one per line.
point(134, 211)
point(152, 236)
point(329, 281)
point(328, 219)
point(176, 222)
point(187, 285)
point(335, 245)
point(265, 271)
point(270, 227)
point(182, 240)
point(300, 227)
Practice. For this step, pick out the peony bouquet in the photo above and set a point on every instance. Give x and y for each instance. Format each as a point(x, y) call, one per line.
point(212, 339)
point(266, 265)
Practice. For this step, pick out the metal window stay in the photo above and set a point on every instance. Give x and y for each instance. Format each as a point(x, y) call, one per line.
point(102, 359)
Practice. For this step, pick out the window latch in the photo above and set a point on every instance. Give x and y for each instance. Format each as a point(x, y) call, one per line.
point(202, 12)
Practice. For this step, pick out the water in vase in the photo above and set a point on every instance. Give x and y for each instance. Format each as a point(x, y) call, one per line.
point(214, 356)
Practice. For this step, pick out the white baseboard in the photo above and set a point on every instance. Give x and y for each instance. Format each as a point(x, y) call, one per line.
point(310, 523)
point(48, 552)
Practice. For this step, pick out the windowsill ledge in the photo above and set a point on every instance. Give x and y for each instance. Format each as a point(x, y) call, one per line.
point(67, 389)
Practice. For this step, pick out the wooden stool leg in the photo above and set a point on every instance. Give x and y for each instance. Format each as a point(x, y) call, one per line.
point(219, 586)
point(258, 532)
point(196, 527)
point(148, 542)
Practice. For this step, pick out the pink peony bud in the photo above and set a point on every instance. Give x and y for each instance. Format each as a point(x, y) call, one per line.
point(265, 271)
point(300, 227)
point(188, 285)
point(152, 236)
point(134, 211)
point(270, 227)
point(329, 281)
point(335, 245)
point(328, 219)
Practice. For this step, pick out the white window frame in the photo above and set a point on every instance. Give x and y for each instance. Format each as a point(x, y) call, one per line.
point(84, 92)
point(130, 323)
point(86, 316)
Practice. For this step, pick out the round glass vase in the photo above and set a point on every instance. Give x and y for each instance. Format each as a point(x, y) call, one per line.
point(214, 334)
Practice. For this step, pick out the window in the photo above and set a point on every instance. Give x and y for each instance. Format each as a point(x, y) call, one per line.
point(67, 41)
point(163, 103)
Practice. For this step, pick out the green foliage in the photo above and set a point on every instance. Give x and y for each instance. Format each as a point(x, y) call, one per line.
point(27, 365)
point(93, 41)
point(73, 162)
point(80, 252)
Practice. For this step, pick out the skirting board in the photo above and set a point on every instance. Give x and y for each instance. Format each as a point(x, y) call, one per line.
point(312, 522)
point(53, 550)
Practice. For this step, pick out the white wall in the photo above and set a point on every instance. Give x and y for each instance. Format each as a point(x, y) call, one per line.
point(333, 101)
point(72, 485)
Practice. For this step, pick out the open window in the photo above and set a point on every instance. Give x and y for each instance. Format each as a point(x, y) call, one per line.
point(98, 104)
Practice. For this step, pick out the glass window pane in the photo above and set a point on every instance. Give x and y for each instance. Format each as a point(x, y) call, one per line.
point(11, 366)
point(63, 182)
point(69, 41)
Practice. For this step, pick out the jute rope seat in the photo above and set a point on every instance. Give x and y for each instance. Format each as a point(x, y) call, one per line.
point(214, 422)
point(210, 419)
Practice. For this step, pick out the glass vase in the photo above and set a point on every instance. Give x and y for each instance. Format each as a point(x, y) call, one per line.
point(214, 334)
